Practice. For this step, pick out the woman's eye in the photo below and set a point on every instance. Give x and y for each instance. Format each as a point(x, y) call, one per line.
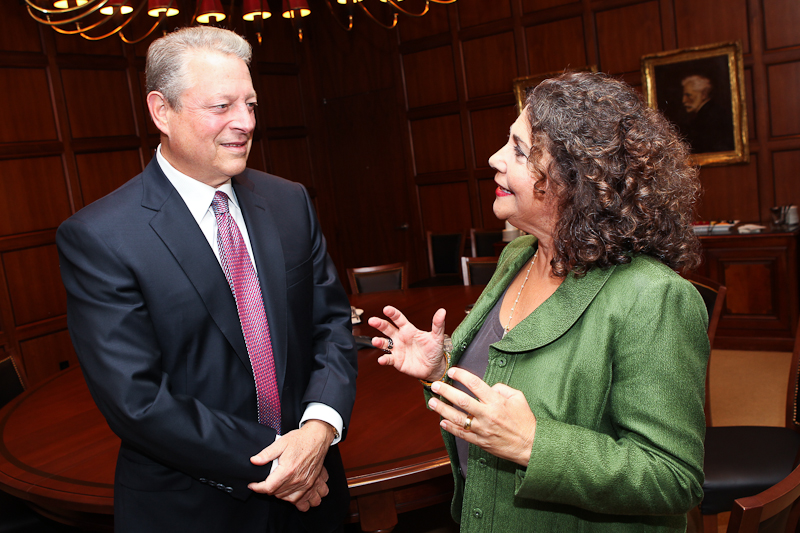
point(518, 152)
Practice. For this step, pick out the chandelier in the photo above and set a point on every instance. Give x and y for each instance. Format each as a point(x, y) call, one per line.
point(97, 19)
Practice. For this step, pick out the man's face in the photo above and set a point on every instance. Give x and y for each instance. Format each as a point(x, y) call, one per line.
point(209, 138)
point(693, 98)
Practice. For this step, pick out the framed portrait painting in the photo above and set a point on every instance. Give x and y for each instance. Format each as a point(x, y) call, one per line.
point(701, 90)
point(526, 83)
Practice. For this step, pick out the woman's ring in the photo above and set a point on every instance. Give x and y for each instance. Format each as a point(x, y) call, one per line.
point(468, 423)
point(389, 345)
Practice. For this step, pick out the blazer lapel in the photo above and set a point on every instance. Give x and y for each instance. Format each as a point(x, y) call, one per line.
point(557, 314)
point(268, 254)
point(547, 322)
point(178, 230)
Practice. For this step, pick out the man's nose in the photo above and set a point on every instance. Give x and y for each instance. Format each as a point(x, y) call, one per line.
point(245, 118)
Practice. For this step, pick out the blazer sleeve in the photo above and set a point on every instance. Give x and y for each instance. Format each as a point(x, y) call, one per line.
point(653, 462)
point(333, 377)
point(116, 339)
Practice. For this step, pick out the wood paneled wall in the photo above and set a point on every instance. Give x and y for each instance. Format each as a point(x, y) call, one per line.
point(458, 71)
point(452, 85)
point(75, 127)
point(390, 130)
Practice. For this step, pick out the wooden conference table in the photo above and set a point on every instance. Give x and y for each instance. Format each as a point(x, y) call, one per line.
point(58, 453)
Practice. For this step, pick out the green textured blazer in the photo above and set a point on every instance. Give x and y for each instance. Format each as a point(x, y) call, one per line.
point(613, 367)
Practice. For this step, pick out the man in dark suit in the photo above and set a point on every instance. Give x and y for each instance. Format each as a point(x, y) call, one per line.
point(209, 319)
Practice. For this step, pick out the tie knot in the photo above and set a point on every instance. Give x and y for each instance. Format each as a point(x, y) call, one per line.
point(220, 203)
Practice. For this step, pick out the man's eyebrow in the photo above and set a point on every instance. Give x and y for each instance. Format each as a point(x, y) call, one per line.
point(228, 96)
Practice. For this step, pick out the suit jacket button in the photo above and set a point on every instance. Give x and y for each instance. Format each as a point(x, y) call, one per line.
point(228, 489)
point(203, 480)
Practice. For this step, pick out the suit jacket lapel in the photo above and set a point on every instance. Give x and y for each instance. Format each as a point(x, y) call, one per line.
point(178, 230)
point(268, 254)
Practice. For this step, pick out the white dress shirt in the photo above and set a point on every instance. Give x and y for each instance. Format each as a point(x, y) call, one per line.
point(198, 197)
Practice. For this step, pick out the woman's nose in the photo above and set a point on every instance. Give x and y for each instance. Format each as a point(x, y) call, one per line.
point(496, 161)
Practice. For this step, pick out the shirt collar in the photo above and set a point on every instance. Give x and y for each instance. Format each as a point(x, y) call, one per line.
point(196, 194)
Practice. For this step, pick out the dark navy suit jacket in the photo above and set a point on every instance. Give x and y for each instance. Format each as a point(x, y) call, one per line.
point(159, 340)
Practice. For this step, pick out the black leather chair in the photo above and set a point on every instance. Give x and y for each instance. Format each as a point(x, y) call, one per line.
point(10, 381)
point(776, 509)
point(390, 277)
point(742, 461)
point(713, 294)
point(478, 270)
point(15, 515)
point(444, 258)
point(483, 241)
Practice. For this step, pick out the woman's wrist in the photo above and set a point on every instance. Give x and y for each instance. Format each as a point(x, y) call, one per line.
point(441, 371)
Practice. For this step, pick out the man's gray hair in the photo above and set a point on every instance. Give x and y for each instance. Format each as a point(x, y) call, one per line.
point(698, 83)
point(168, 57)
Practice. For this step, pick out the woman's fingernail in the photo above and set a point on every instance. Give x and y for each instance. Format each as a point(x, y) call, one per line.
point(435, 386)
point(432, 403)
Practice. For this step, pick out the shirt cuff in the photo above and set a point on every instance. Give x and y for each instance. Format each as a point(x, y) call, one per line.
point(274, 461)
point(320, 411)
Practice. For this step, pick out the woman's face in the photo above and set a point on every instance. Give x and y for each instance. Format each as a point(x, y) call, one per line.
point(516, 200)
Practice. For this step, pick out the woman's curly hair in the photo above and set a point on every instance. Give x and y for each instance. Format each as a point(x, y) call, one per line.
point(620, 173)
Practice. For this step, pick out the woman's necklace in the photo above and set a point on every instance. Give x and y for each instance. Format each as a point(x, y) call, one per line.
point(528, 273)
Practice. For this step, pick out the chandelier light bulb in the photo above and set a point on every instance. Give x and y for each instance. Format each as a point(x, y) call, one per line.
point(116, 5)
point(209, 9)
point(255, 8)
point(295, 8)
point(156, 7)
point(64, 4)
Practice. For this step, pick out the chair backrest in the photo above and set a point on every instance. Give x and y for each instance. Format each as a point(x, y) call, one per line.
point(713, 294)
point(10, 381)
point(444, 252)
point(775, 509)
point(793, 394)
point(391, 277)
point(478, 270)
point(483, 241)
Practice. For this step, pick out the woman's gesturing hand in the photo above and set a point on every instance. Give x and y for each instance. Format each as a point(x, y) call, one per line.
point(499, 421)
point(419, 354)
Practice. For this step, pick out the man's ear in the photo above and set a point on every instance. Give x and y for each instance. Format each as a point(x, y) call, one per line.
point(158, 107)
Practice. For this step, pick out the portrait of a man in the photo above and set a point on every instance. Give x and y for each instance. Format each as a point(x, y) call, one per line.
point(700, 91)
point(708, 126)
point(692, 95)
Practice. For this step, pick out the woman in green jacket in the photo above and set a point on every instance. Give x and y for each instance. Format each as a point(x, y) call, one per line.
point(592, 350)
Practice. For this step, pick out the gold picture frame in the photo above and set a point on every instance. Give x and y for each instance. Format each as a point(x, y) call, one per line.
point(701, 90)
point(525, 83)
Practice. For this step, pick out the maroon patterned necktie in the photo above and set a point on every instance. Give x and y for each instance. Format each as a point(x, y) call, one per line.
point(242, 278)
